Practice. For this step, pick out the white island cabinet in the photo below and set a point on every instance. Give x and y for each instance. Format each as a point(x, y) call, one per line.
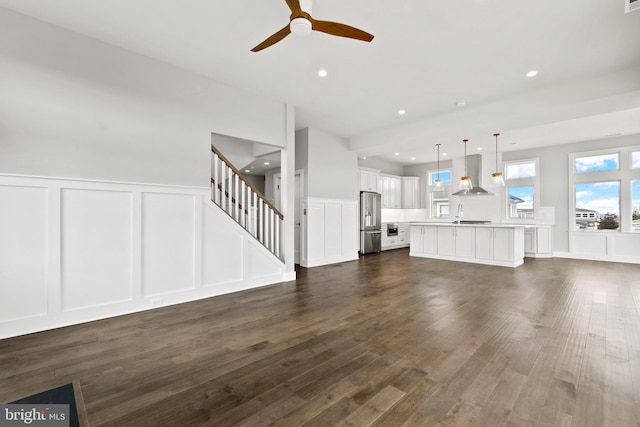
point(424, 239)
point(493, 244)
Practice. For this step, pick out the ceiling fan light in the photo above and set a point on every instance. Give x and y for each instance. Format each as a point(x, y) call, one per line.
point(300, 26)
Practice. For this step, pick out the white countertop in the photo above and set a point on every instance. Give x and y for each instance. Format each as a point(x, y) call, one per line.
point(489, 225)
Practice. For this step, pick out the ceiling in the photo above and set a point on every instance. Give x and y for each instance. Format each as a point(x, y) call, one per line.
point(424, 58)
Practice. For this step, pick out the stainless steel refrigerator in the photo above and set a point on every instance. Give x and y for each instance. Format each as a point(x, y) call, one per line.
point(370, 224)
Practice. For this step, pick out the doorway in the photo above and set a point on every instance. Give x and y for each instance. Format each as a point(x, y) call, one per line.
point(297, 210)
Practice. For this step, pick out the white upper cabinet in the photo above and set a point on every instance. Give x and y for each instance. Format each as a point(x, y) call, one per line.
point(410, 192)
point(369, 180)
point(391, 189)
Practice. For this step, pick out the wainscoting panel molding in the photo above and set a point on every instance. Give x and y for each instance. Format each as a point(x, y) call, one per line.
point(612, 246)
point(96, 245)
point(23, 251)
point(332, 231)
point(73, 251)
point(168, 243)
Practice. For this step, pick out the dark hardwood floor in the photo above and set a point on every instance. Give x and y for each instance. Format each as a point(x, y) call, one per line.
point(387, 340)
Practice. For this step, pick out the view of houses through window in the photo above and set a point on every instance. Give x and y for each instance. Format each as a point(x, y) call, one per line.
point(605, 198)
point(598, 205)
point(521, 182)
point(635, 204)
point(439, 199)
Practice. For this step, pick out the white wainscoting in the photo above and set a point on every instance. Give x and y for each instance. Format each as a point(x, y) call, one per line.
point(73, 251)
point(332, 231)
point(603, 246)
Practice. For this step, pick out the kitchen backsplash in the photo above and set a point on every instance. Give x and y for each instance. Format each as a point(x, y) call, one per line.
point(404, 215)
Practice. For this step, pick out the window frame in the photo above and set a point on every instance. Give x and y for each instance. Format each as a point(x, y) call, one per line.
point(533, 181)
point(625, 175)
point(429, 198)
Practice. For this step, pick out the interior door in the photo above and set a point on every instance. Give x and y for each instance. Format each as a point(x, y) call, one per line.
point(297, 219)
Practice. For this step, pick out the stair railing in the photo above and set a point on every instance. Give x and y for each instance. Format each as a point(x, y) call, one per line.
point(245, 204)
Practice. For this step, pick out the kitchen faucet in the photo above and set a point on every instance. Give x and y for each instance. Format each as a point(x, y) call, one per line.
point(460, 212)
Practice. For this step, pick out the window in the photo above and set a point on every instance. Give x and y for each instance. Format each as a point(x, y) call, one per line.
point(598, 205)
point(445, 176)
point(439, 200)
point(605, 187)
point(521, 179)
point(604, 162)
point(635, 205)
point(516, 170)
point(521, 202)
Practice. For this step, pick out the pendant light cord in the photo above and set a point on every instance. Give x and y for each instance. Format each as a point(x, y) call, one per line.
point(438, 145)
point(465, 156)
point(496, 135)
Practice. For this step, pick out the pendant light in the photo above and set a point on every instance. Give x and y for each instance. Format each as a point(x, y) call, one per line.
point(498, 179)
point(438, 186)
point(465, 181)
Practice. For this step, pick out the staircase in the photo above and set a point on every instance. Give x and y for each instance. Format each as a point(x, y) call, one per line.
point(246, 204)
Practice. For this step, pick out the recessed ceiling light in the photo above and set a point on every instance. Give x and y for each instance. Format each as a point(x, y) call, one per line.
point(266, 163)
point(479, 148)
point(402, 112)
point(247, 170)
point(322, 73)
point(397, 154)
point(364, 157)
point(413, 158)
point(444, 154)
point(532, 73)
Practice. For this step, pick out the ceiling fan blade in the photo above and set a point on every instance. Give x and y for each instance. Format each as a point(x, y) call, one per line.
point(294, 5)
point(273, 39)
point(342, 30)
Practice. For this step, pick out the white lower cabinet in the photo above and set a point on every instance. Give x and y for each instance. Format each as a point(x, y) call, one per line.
point(495, 244)
point(502, 246)
point(538, 241)
point(465, 242)
point(484, 247)
point(424, 239)
point(446, 241)
point(399, 241)
point(457, 241)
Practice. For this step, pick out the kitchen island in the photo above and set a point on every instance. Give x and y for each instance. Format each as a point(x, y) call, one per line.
point(480, 243)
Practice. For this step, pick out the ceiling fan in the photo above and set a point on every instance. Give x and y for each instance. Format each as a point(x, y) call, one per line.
point(301, 22)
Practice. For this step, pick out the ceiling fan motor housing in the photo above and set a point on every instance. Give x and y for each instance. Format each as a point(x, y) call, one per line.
point(300, 26)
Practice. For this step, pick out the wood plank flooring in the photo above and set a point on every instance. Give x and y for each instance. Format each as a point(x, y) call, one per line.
point(387, 340)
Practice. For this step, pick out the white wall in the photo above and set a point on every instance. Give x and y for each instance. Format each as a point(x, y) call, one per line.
point(74, 251)
point(72, 106)
point(332, 168)
point(554, 180)
point(420, 170)
point(330, 223)
point(382, 165)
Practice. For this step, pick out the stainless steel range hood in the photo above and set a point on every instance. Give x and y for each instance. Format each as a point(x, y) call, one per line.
point(474, 170)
